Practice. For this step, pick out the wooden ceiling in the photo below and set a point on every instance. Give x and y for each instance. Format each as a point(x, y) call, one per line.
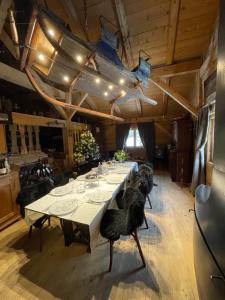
point(171, 31)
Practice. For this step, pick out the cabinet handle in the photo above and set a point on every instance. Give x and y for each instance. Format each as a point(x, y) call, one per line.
point(221, 277)
point(191, 210)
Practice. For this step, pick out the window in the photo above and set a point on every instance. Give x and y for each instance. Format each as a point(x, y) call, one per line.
point(134, 139)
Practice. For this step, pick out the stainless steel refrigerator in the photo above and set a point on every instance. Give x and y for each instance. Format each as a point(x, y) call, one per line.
point(209, 231)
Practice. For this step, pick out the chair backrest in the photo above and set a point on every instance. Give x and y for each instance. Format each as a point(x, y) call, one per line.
point(148, 168)
point(135, 202)
point(142, 181)
point(124, 221)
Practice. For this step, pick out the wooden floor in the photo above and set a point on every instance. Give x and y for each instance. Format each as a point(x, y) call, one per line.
point(71, 273)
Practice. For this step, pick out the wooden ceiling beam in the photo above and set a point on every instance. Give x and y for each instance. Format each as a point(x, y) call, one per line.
point(172, 33)
point(4, 6)
point(74, 19)
point(7, 41)
point(147, 119)
point(120, 15)
point(14, 76)
point(182, 68)
point(172, 93)
point(121, 20)
point(78, 103)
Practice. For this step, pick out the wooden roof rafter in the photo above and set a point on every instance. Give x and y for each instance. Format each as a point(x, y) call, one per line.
point(171, 44)
point(172, 93)
point(120, 16)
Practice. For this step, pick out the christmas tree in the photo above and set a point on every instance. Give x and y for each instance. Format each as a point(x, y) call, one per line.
point(87, 148)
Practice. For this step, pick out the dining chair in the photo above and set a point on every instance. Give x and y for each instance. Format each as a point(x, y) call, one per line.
point(117, 222)
point(121, 202)
point(140, 181)
point(39, 225)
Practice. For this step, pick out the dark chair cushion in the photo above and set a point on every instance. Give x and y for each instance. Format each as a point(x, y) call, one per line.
point(124, 221)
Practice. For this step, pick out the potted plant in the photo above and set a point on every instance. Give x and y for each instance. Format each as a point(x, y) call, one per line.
point(120, 155)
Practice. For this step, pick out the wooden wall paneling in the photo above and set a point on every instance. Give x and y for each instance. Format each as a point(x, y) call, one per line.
point(110, 137)
point(163, 138)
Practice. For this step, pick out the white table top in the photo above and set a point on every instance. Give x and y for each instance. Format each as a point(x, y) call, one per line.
point(87, 212)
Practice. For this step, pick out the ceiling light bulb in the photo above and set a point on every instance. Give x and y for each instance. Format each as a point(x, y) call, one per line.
point(97, 80)
point(110, 87)
point(79, 58)
point(105, 93)
point(51, 32)
point(66, 78)
point(122, 81)
point(123, 93)
point(41, 57)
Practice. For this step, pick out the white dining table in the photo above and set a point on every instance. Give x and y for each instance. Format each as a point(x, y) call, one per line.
point(87, 213)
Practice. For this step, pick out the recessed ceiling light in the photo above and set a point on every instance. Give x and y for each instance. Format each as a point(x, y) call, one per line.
point(79, 58)
point(51, 32)
point(66, 78)
point(41, 57)
point(97, 80)
point(106, 94)
point(123, 93)
point(110, 86)
point(122, 81)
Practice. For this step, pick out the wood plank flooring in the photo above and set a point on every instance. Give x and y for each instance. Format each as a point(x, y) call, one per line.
point(72, 273)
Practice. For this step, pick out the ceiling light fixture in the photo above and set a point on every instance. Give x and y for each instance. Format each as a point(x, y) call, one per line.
point(51, 32)
point(106, 94)
point(66, 78)
point(123, 93)
point(122, 81)
point(41, 57)
point(97, 80)
point(110, 86)
point(79, 58)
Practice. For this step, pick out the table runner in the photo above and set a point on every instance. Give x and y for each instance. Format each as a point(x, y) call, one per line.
point(87, 213)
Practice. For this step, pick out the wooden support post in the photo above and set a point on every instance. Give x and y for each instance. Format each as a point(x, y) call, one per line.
point(14, 148)
point(23, 140)
point(3, 146)
point(38, 146)
point(30, 138)
point(68, 142)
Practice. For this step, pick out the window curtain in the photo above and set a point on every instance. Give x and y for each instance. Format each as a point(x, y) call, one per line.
point(122, 131)
point(202, 125)
point(147, 135)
